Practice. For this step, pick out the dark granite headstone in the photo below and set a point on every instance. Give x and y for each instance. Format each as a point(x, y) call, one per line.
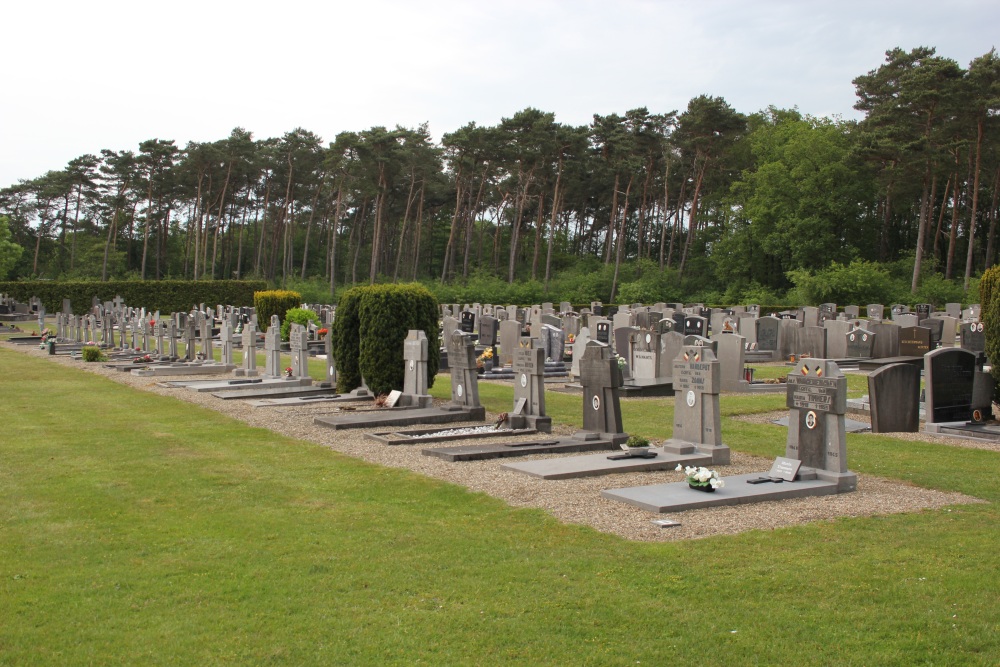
point(886, 340)
point(950, 375)
point(468, 324)
point(973, 337)
point(894, 396)
point(860, 344)
point(603, 334)
point(914, 341)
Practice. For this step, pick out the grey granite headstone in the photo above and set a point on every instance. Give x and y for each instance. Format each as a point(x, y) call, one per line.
point(529, 391)
point(249, 364)
point(886, 340)
point(817, 401)
point(510, 339)
point(579, 345)
point(464, 376)
point(731, 357)
point(697, 381)
point(875, 311)
point(811, 340)
point(836, 338)
point(601, 379)
point(415, 380)
point(272, 349)
point(973, 337)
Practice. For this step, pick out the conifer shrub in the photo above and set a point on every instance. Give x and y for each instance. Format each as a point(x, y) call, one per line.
point(989, 315)
point(297, 316)
point(274, 302)
point(91, 353)
point(369, 330)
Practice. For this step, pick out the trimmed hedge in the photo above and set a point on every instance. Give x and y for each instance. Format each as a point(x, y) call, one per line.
point(369, 330)
point(166, 296)
point(274, 302)
point(989, 315)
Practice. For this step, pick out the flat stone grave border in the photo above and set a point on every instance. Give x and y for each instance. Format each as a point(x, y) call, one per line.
point(407, 437)
point(524, 448)
point(594, 465)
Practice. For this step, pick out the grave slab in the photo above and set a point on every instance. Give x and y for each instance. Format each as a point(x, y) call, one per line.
point(678, 496)
point(498, 451)
point(594, 465)
point(401, 417)
point(426, 436)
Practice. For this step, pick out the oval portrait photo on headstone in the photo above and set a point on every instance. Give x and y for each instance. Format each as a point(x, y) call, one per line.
point(524, 379)
point(596, 402)
point(690, 398)
point(810, 419)
point(458, 391)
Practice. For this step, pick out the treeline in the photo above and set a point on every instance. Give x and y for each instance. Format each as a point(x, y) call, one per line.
point(708, 199)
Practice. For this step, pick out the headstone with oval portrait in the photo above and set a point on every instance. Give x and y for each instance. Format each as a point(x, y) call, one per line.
point(529, 390)
point(860, 344)
point(817, 401)
point(601, 378)
point(697, 379)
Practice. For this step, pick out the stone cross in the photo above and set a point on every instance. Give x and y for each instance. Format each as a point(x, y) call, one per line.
point(272, 349)
point(697, 419)
point(529, 390)
point(146, 330)
point(464, 376)
point(248, 368)
point(415, 353)
point(190, 338)
point(206, 322)
point(158, 332)
point(601, 378)
point(331, 364)
point(172, 338)
point(817, 400)
point(226, 337)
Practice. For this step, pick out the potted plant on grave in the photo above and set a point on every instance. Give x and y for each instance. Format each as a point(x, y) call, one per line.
point(485, 360)
point(701, 479)
point(636, 445)
point(288, 371)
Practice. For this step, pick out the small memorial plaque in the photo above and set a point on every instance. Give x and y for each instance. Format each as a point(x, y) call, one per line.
point(785, 468)
point(519, 406)
point(393, 398)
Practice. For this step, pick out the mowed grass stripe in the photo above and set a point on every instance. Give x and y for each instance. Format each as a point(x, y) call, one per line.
point(140, 529)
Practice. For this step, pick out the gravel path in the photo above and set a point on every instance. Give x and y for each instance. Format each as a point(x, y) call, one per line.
point(575, 500)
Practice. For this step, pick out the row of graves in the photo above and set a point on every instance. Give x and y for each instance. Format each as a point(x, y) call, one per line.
point(815, 461)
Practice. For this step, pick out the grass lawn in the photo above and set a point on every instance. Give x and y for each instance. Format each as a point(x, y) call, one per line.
point(137, 529)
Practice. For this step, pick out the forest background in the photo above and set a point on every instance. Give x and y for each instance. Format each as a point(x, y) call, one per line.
point(706, 204)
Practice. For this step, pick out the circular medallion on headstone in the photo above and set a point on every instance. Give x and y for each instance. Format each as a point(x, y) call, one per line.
point(459, 391)
point(979, 327)
point(977, 415)
point(864, 338)
point(810, 420)
point(648, 338)
point(524, 379)
point(852, 338)
point(411, 364)
point(596, 402)
point(690, 399)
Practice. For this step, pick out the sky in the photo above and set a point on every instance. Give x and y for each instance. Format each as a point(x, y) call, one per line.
point(85, 76)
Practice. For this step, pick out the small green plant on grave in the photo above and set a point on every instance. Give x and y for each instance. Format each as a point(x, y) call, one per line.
point(92, 353)
point(301, 316)
point(636, 441)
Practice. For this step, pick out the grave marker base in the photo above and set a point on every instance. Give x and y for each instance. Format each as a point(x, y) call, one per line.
point(594, 465)
point(678, 497)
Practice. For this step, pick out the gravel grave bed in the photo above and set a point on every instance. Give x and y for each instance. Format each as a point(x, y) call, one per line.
point(576, 501)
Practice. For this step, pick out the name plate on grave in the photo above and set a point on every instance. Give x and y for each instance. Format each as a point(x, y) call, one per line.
point(524, 361)
point(785, 468)
point(692, 376)
point(812, 393)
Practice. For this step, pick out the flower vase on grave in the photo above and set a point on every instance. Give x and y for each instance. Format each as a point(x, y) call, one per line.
point(488, 365)
point(707, 488)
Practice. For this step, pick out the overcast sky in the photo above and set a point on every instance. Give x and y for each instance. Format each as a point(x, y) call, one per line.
point(82, 76)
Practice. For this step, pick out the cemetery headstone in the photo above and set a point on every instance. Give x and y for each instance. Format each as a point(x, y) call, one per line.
point(949, 378)
point(914, 341)
point(464, 376)
point(817, 401)
point(697, 419)
point(601, 379)
point(529, 391)
point(860, 344)
point(894, 397)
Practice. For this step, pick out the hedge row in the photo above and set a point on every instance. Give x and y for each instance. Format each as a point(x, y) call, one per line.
point(369, 330)
point(989, 315)
point(166, 296)
point(274, 302)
